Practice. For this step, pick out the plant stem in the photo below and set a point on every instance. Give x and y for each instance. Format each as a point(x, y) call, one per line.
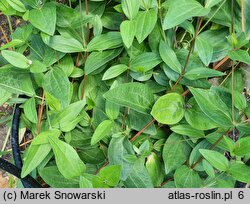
point(105, 164)
point(217, 66)
point(142, 130)
point(4, 34)
point(40, 114)
point(6, 139)
point(189, 54)
point(10, 26)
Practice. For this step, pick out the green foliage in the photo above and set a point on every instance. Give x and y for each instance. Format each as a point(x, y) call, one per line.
point(44, 18)
point(101, 131)
point(67, 160)
point(108, 177)
point(175, 152)
point(169, 109)
point(16, 59)
point(187, 178)
point(216, 159)
point(131, 93)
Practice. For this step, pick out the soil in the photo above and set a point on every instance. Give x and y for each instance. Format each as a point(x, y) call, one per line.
point(5, 30)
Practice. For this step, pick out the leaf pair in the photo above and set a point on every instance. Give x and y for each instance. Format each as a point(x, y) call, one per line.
point(68, 162)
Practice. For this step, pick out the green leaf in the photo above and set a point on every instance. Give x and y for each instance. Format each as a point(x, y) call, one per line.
point(64, 119)
point(145, 62)
point(199, 73)
point(196, 155)
point(105, 41)
point(185, 9)
point(208, 168)
point(247, 17)
point(38, 150)
point(67, 160)
point(217, 39)
point(211, 3)
point(118, 149)
point(240, 172)
point(175, 152)
point(188, 131)
point(67, 65)
point(145, 23)
point(102, 131)
point(12, 43)
point(127, 29)
point(32, 3)
point(6, 8)
point(230, 144)
point(76, 73)
point(137, 121)
point(17, 5)
point(70, 18)
point(63, 44)
point(242, 147)
point(71, 124)
point(43, 52)
point(44, 18)
point(57, 84)
point(97, 25)
point(169, 57)
point(16, 59)
point(110, 175)
point(155, 169)
point(196, 118)
point(114, 71)
point(4, 95)
point(29, 108)
point(204, 49)
point(133, 95)
point(36, 154)
point(216, 159)
point(43, 137)
point(212, 106)
point(169, 109)
point(37, 67)
point(112, 110)
point(85, 183)
point(52, 176)
point(188, 26)
point(239, 55)
point(16, 81)
point(92, 155)
point(130, 8)
point(99, 183)
point(97, 59)
point(184, 177)
point(215, 136)
point(139, 176)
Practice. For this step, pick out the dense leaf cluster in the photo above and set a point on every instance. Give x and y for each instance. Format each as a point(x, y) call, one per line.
point(132, 93)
